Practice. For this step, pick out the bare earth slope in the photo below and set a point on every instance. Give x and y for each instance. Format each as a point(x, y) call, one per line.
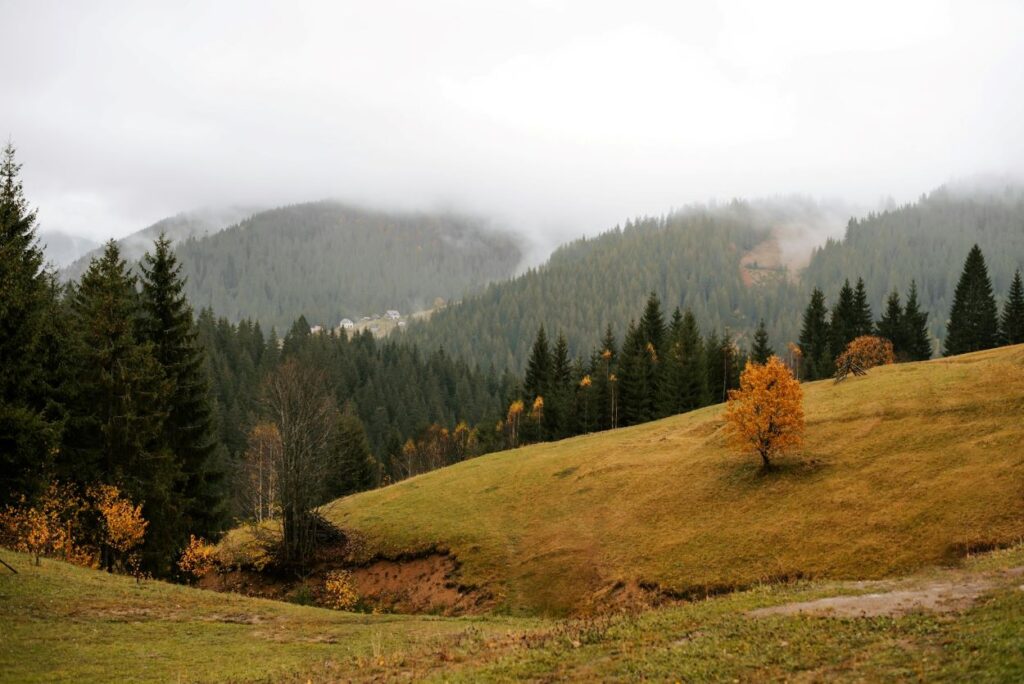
point(911, 466)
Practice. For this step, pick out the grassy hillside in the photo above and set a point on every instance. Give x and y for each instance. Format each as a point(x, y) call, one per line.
point(910, 466)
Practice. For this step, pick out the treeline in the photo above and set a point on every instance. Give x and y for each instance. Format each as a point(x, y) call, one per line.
point(330, 261)
point(974, 321)
point(663, 367)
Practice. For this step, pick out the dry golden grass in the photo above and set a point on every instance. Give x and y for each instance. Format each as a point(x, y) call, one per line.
point(904, 468)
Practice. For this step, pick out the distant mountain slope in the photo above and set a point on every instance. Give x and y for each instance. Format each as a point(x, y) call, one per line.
point(181, 227)
point(60, 248)
point(732, 265)
point(326, 260)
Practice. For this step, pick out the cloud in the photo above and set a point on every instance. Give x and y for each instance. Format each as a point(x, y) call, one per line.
point(555, 118)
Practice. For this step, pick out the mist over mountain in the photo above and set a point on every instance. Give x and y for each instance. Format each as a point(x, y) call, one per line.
point(63, 248)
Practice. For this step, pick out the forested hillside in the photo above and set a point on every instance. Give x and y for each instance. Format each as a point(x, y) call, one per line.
point(327, 261)
point(926, 241)
point(190, 224)
point(691, 259)
point(704, 259)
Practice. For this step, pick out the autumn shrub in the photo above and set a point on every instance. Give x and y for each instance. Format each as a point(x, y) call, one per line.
point(867, 351)
point(198, 559)
point(122, 526)
point(50, 526)
point(339, 590)
point(766, 413)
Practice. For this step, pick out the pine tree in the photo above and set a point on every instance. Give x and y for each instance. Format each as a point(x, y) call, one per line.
point(604, 385)
point(974, 319)
point(188, 432)
point(670, 368)
point(1011, 325)
point(635, 397)
point(652, 323)
point(119, 405)
point(761, 351)
point(557, 404)
point(891, 325)
point(915, 328)
point(814, 339)
point(354, 469)
point(693, 383)
point(29, 428)
point(845, 319)
point(538, 368)
point(863, 322)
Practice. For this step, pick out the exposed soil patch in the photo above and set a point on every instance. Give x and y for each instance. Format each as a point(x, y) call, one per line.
point(953, 594)
point(422, 583)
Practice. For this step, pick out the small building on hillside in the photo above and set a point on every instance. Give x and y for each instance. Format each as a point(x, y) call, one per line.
point(346, 324)
point(392, 314)
point(316, 330)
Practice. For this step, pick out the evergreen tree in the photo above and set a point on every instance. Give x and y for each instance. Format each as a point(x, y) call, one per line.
point(168, 326)
point(814, 339)
point(558, 406)
point(635, 396)
point(845, 321)
point(761, 351)
point(693, 383)
point(354, 469)
point(29, 426)
point(652, 323)
point(670, 368)
point(915, 328)
point(119, 405)
point(974, 319)
point(863, 322)
point(604, 386)
point(891, 325)
point(1011, 325)
point(538, 368)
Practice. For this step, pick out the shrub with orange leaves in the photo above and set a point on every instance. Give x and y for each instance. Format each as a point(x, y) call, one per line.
point(49, 527)
point(339, 590)
point(766, 413)
point(198, 559)
point(123, 527)
point(867, 351)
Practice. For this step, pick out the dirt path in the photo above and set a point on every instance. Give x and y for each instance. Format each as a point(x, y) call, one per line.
point(956, 591)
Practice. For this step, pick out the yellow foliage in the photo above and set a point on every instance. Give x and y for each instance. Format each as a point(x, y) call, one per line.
point(48, 528)
point(199, 558)
point(867, 351)
point(339, 591)
point(766, 413)
point(585, 381)
point(537, 412)
point(124, 526)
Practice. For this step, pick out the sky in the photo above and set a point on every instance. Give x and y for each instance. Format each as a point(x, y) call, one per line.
point(548, 117)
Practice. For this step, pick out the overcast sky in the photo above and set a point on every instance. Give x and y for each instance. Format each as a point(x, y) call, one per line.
point(553, 117)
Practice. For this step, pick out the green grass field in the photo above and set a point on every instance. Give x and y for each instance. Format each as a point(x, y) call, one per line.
point(908, 467)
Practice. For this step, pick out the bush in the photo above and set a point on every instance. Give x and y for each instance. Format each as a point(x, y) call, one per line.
point(339, 590)
point(198, 559)
point(867, 351)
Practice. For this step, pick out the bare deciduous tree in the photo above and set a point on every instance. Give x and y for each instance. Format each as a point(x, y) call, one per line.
point(297, 400)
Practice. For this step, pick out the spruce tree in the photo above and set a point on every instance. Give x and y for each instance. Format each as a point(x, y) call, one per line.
point(973, 319)
point(1011, 325)
point(29, 424)
point(652, 323)
point(915, 328)
point(538, 367)
point(604, 387)
point(845, 321)
point(168, 326)
point(891, 325)
point(119, 404)
point(863, 322)
point(761, 350)
point(635, 396)
point(558, 406)
point(354, 468)
point(693, 384)
point(670, 368)
point(814, 339)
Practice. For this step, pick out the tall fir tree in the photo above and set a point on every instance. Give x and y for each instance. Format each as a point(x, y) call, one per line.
point(1011, 324)
point(558, 403)
point(815, 339)
point(863, 322)
point(354, 468)
point(761, 350)
point(670, 368)
point(635, 395)
point(538, 367)
point(604, 381)
point(119, 401)
point(167, 324)
point(974, 318)
point(915, 328)
point(845, 320)
point(30, 422)
point(652, 323)
point(693, 383)
point(891, 326)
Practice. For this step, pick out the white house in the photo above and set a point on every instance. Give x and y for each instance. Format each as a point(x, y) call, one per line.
point(392, 314)
point(346, 324)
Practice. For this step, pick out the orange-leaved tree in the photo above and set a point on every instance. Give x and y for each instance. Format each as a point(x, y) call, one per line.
point(766, 413)
point(867, 351)
point(123, 527)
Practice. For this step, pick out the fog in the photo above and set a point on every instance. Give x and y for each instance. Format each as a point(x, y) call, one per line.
point(552, 118)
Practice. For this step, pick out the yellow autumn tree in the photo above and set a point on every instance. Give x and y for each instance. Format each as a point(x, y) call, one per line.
point(198, 559)
point(123, 527)
point(766, 413)
point(867, 351)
